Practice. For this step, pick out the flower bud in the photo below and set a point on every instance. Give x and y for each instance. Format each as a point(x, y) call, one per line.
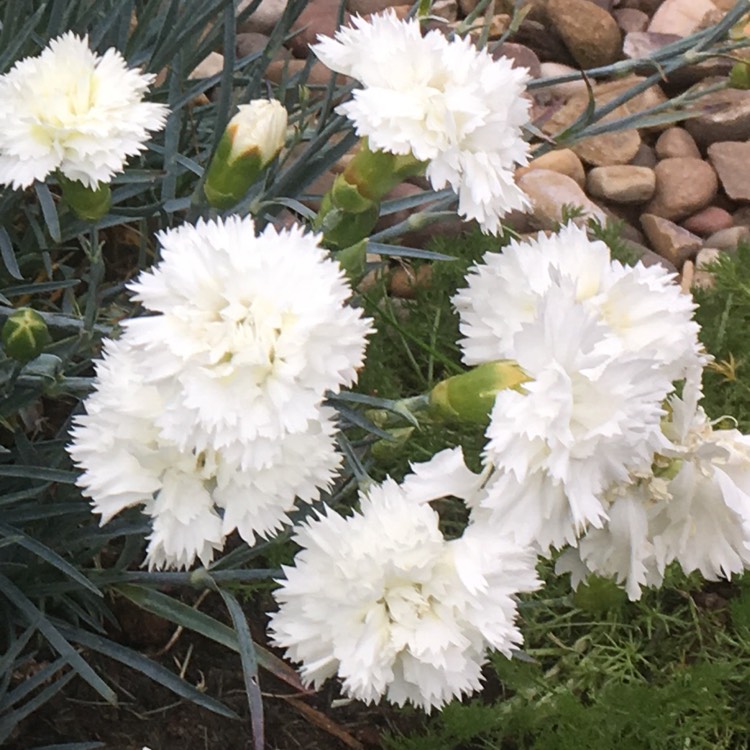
point(469, 397)
point(24, 335)
point(87, 203)
point(253, 138)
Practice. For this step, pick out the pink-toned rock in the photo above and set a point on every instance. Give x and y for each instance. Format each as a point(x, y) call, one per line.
point(730, 159)
point(551, 193)
point(630, 19)
point(211, 65)
point(621, 183)
point(642, 44)
point(669, 240)
point(681, 17)
point(687, 276)
point(562, 90)
point(683, 186)
point(589, 32)
point(561, 160)
point(675, 143)
point(707, 221)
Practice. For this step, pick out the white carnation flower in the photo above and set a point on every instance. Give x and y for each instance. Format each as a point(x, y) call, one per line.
point(194, 498)
point(73, 110)
point(249, 334)
point(445, 102)
point(623, 550)
point(643, 307)
point(385, 602)
point(583, 423)
point(705, 524)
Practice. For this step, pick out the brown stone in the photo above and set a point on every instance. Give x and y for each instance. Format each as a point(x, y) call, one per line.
point(630, 19)
point(264, 18)
point(318, 17)
point(363, 7)
point(551, 193)
point(319, 74)
point(621, 183)
point(561, 160)
point(726, 117)
point(731, 160)
point(669, 240)
point(405, 281)
point(683, 186)
point(521, 57)
point(644, 157)
point(728, 239)
point(676, 142)
point(589, 32)
point(707, 221)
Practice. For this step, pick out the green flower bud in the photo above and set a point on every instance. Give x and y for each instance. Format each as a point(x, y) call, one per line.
point(87, 203)
point(253, 138)
point(469, 397)
point(739, 76)
point(24, 335)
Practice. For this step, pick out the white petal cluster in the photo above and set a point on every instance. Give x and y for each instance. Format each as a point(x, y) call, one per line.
point(385, 602)
point(693, 508)
point(445, 102)
point(588, 332)
point(73, 110)
point(209, 412)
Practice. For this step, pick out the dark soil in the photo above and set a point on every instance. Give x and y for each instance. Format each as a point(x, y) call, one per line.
point(150, 715)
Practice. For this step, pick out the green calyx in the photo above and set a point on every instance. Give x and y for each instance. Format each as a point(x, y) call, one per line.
point(227, 182)
point(469, 397)
point(24, 335)
point(89, 204)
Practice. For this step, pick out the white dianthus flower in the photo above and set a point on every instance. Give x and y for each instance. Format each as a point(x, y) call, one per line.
point(249, 334)
point(445, 102)
point(73, 110)
point(705, 523)
point(583, 422)
point(194, 498)
point(385, 602)
point(643, 307)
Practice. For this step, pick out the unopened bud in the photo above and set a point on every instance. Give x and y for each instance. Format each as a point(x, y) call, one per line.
point(469, 397)
point(253, 138)
point(89, 204)
point(24, 335)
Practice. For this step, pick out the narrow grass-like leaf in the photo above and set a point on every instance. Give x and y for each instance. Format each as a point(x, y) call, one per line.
point(42, 287)
point(9, 256)
point(147, 667)
point(9, 722)
point(227, 74)
point(39, 473)
point(32, 682)
point(50, 556)
point(49, 210)
point(73, 746)
point(399, 251)
point(249, 666)
point(181, 614)
point(55, 638)
point(356, 419)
